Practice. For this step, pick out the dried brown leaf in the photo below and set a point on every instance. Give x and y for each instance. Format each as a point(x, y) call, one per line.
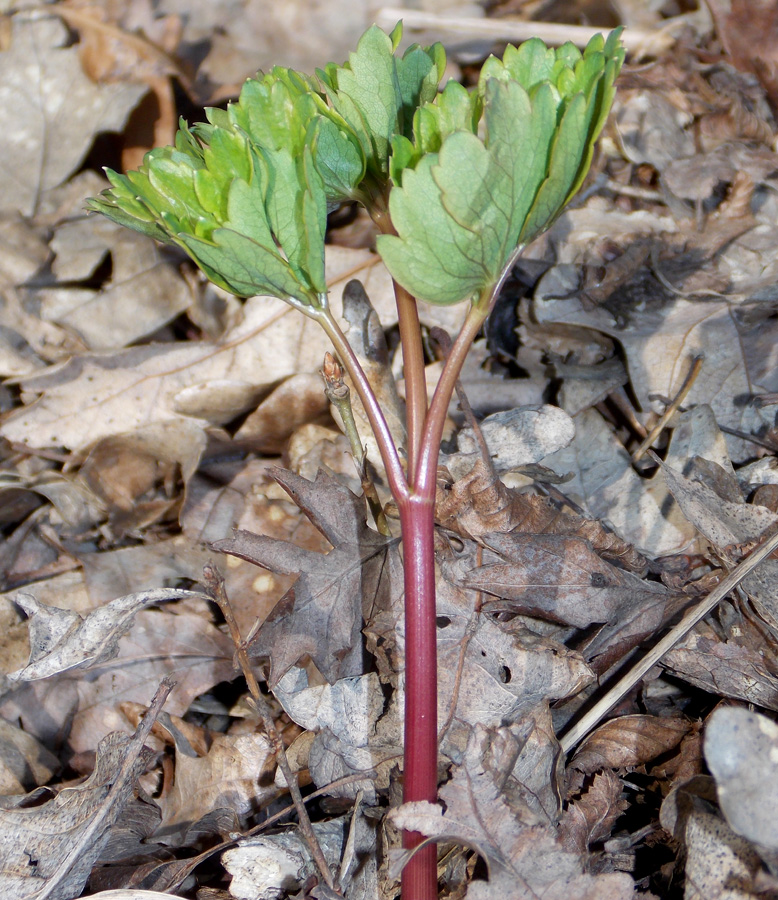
point(742, 665)
point(96, 395)
point(321, 615)
point(237, 774)
point(662, 333)
point(629, 741)
point(185, 646)
point(558, 578)
point(145, 291)
point(480, 503)
point(50, 110)
point(48, 850)
point(747, 29)
point(741, 750)
point(61, 640)
point(721, 521)
point(24, 762)
point(525, 859)
point(590, 817)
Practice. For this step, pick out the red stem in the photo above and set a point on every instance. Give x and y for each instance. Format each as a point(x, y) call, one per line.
point(415, 376)
point(420, 777)
point(426, 471)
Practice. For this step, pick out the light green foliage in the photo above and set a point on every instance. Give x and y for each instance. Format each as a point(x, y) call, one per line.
point(468, 176)
point(378, 93)
point(461, 213)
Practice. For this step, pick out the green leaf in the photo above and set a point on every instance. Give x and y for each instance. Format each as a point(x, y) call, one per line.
point(338, 156)
point(435, 265)
point(418, 73)
point(378, 93)
point(369, 97)
point(569, 144)
point(244, 267)
point(461, 213)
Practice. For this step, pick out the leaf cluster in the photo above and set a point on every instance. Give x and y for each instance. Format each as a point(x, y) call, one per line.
point(466, 176)
point(471, 201)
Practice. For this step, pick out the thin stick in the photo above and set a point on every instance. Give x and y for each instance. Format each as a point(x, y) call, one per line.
point(375, 415)
point(214, 584)
point(413, 353)
point(511, 29)
point(339, 394)
point(692, 617)
point(671, 410)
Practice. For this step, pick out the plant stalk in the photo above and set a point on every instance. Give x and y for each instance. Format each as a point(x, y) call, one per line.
point(389, 455)
point(420, 774)
point(413, 369)
point(426, 472)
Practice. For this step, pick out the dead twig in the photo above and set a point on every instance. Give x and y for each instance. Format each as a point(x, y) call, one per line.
point(515, 30)
point(214, 585)
point(671, 410)
point(611, 697)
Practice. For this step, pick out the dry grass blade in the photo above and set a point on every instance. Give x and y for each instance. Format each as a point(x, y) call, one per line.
point(692, 617)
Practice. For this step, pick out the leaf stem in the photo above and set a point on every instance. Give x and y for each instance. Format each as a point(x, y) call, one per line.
point(389, 455)
point(415, 376)
point(412, 347)
point(426, 472)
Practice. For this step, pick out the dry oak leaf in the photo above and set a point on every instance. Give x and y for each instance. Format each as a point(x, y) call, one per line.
point(48, 850)
point(526, 860)
point(321, 615)
point(480, 503)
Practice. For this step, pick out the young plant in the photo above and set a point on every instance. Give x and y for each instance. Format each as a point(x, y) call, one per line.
point(457, 182)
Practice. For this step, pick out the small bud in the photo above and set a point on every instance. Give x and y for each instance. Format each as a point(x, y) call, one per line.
point(331, 371)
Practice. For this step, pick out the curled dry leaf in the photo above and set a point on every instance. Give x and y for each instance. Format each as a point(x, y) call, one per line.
point(557, 577)
point(61, 640)
point(184, 646)
point(145, 291)
point(590, 817)
point(268, 867)
point(607, 487)
point(719, 864)
point(629, 741)
point(480, 503)
point(661, 339)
